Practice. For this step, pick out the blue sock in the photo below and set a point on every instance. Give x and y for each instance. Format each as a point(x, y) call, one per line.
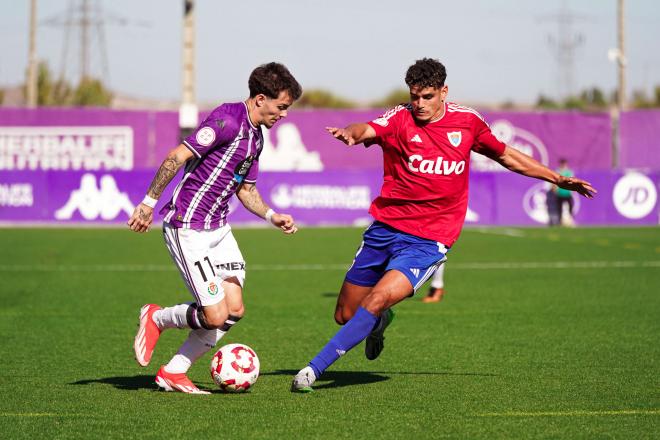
point(350, 335)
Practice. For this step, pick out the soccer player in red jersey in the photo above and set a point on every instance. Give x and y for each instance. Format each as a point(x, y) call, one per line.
point(420, 210)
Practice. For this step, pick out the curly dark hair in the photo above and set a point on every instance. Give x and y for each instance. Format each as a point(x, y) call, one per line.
point(271, 79)
point(426, 72)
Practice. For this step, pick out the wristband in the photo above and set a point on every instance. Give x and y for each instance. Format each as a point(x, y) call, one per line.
point(149, 201)
point(269, 215)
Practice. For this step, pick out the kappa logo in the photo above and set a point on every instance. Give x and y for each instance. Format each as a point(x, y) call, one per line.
point(340, 352)
point(205, 136)
point(455, 138)
point(416, 138)
point(415, 272)
point(93, 202)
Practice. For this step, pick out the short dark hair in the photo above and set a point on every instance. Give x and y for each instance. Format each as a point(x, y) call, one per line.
point(426, 72)
point(271, 79)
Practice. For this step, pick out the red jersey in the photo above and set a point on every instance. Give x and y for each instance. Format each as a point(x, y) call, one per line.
point(426, 169)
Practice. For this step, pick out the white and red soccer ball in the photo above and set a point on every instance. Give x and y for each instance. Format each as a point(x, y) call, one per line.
point(235, 368)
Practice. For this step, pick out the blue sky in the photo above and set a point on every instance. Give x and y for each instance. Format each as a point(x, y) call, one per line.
point(494, 50)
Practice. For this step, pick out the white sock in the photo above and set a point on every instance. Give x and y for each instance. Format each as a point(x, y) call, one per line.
point(438, 280)
point(198, 343)
point(172, 317)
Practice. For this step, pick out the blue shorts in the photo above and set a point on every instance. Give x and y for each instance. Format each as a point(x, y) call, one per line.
point(384, 248)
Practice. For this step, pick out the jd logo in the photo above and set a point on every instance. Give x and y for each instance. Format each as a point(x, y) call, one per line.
point(92, 201)
point(634, 195)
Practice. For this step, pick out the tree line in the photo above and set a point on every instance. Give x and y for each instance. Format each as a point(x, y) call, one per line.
point(92, 92)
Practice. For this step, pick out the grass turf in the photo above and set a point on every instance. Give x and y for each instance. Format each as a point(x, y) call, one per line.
point(543, 333)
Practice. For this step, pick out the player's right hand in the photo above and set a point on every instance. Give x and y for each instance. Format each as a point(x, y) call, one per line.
point(342, 134)
point(141, 218)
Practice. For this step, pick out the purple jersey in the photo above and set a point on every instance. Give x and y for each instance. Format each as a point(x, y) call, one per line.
point(226, 148)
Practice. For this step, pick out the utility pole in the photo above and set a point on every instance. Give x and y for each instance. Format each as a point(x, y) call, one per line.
point(188, 113)
point(32, 58)
point(618, 56)
point(621, 62)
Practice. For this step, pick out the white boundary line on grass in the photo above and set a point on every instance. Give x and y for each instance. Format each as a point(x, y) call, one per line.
point(321, 267)
point(575, 413)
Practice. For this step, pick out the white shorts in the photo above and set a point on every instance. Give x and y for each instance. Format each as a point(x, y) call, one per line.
point(205, 258)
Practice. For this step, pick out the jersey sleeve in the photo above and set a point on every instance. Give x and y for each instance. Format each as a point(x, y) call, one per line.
point(251, 176)
point(485, 141)
point(217, 130)
point(386, 124)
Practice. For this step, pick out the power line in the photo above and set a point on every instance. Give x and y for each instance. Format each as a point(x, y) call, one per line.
point(565, 45)
point(89, 18)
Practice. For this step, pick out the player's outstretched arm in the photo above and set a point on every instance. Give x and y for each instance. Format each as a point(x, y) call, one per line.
point(521, 163)
point(143, 215)
point(353, 134)
point(251, 199)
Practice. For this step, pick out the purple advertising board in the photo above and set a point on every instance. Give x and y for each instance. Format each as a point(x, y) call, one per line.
point(323, 198)
point(92, 165)
point(96, 139)
point(640, 143)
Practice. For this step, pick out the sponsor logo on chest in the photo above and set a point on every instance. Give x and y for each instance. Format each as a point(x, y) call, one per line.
point(417, 164)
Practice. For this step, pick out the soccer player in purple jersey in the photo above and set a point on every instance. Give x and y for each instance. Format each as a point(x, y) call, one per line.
point(221, 159)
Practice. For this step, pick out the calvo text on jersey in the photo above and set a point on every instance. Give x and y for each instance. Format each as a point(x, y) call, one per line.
point(418, 164)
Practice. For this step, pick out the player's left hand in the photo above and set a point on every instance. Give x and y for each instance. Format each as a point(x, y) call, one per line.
point(580, 186)
point(285, 223)
point(141, 219)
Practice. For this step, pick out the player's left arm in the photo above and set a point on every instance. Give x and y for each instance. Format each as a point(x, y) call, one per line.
point(253, 202)
point(521, 163)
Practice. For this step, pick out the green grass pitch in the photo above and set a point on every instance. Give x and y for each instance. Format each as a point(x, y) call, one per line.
point(543, 333)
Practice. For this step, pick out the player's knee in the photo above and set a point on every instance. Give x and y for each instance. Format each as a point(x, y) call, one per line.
point(237, 311)
point(339, 317)
point(214, 317)
point(343, 315)
point(375, 302)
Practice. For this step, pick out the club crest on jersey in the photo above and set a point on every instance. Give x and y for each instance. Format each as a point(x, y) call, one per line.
point(455, 138)
point(213, 288)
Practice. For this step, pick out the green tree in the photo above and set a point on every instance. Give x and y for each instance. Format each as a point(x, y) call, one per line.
point(62, 93)
point(656, 94)
point(594, 99)
point(44, 85)
point(546, 103)
point(2, 96)
point(91, 92)
point(574, 103)
point(318, 98)
point(395, 97)
point(640, 100)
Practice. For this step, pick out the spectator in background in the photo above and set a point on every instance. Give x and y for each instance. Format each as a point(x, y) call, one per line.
point(551, 205)
point(563, 196)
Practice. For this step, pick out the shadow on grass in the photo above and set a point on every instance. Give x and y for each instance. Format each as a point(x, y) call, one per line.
point(330, 294)
point(336, 378)
point(139, 382)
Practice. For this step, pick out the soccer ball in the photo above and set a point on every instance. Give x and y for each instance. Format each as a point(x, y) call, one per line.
point(235, 368)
